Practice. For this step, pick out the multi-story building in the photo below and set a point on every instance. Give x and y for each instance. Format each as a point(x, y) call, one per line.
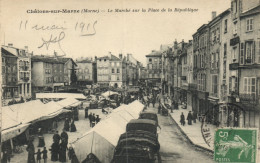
point(167, 67)
point(132, 73)
point(85, 71)
point(111, 71)
point(249, 62)
point(69, 69)
point(9, 77)
point(217, 77)
point(191, 92)
point(47, 73)
point(201, 69)
point(154, 68)
point(23, 70)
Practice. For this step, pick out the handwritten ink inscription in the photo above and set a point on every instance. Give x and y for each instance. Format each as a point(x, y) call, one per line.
point(82, 28)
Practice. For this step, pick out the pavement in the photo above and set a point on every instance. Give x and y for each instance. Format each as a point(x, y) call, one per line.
point(193, 132)
point(174, 145)
point(82, 126)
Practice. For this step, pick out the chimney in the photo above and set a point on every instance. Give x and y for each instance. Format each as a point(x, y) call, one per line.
point(175, 44)
point(10, 45)
point(26, 49)
point(121, 56)
point(214, 14)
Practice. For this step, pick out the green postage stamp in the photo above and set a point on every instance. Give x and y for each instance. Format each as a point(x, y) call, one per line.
point(236, 145)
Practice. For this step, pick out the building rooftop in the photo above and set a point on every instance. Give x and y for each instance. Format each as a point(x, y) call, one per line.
point(6, 53)
point(252, 11)
point(155, 53)
point(44, 58)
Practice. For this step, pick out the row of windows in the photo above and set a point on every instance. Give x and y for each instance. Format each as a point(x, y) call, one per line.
point(80, 77)
point(83, 70)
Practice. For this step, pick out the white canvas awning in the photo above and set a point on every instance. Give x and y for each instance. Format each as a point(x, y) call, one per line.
point(102, 139)
point(60, 95)
point(109, 93)
point(68, 102)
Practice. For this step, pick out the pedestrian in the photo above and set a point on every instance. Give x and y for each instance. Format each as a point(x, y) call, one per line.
point(38, 156)
point(159, 108)
point(6, 157)
point(56, 137)
point(76, 114)
point(189, 118)
point(97, 119)
point(44, 155)
point(64, 136)
point(31, 151)
point(66, 125)
point(86, 112)
point(73, 127)
point(154, 100)
point(72, 155)
point(41, 142)
point(54, 151)
point(93, 120)
point(182, 119)
point(194, 116)
point(90, 119)
point(62, 151)
point(148, 101)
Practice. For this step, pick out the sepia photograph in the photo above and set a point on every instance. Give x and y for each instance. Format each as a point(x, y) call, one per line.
point(130, 81)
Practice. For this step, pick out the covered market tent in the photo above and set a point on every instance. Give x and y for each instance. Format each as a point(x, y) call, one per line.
point(109, 93)
point(68, 102)
point(17, 117)
point(59, 95)
point(102, 139)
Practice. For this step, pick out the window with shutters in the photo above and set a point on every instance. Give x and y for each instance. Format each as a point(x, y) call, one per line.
point(214, 86)
point(249, 52)
point(225, 26)
point(249, 24)
point(249, 85)
point(241, 53)
point(225, 50)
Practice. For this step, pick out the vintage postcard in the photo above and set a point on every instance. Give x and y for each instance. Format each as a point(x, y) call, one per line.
point(140, 81)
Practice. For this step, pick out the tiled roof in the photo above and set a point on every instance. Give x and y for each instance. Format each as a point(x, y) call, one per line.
point(84, 61)
point(104, 57)
point(6, 53)
point(14, 51)
point(252, 11)
point(155, 54)
point(114, 58)
point(46, 59)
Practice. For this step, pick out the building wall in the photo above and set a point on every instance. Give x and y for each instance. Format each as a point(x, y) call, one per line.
point(154, 67)
point(24, 76)
point(38, 74)
point(103, 70)
point(84, 71)
point(58, 73)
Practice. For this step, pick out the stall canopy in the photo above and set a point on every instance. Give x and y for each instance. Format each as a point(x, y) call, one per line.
point(17, 117)
point(60, 95)
point(109, 93)
point(102, 139)
point(68, 102)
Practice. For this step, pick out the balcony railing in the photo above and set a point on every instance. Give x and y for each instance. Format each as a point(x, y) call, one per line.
point(252, 99)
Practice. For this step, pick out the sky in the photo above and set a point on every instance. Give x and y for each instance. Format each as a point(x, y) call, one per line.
point(96, 34)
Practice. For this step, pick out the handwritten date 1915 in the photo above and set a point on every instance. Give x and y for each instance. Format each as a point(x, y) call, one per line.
point(84, 28)
point(53, 40)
